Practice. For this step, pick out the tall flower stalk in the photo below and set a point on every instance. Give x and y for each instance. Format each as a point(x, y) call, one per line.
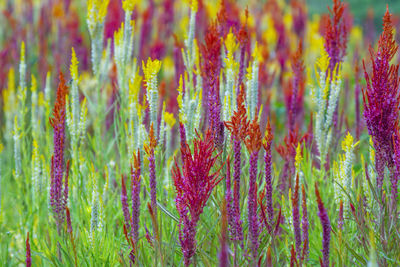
point(194, 184)
point(382, 99)
point(238, 126)
point(325, 97)
point(267, 144)
point(150, 149)
point(326, 228)
point(253, 144)
point(58, 190)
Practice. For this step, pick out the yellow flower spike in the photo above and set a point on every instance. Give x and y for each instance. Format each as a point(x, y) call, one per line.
point(180, 91)
point(371, 150)
point(257, 53)
point(169, 119)
point(11, 80)
point(347, 143)
point(33, 84)
point(151, 69)
point(197, 58)
point(103, 10)
point(249, 72)
point(194, 5)
point(230, 42)
point(323, 61)
point(288, 20)
point(23, 51)
point(74, 65)
point(97, 9)
point(298, 157)
point(325, 92)
point(129, 5)
point(119, 35)
point(1, 147)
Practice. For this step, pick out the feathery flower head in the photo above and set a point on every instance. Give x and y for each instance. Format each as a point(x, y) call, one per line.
point(231, 46)
point(97, 10)
point(152, 141)
point(59, 107)
point(129, 5)
point(381, 98)
point(267, 140)
point(195, 183)
point(194, 5)
point(323, 62)
point(298, 158)
point(238, 125)
point(150, 70)
point(193, 186)
point(337, 32)
point(74, 65)
point(58, 200)
point(169, 119)
point(253, 140)
point(347, 143)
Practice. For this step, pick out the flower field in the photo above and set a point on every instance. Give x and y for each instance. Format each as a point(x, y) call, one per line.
point(198, 133)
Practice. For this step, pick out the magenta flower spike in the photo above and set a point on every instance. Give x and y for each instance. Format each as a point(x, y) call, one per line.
point(28, 260)
point(326, 228)
point(337, 33)
point(253, 144)
point(194, 184)
point(238, 126)
point(135, 189)
point(382, 99)
point(267, 144)
point(296, 218)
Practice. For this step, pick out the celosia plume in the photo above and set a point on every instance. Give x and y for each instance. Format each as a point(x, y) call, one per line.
point(326, 228)
point(194, 184)
point(382, 99)
point(58, 191)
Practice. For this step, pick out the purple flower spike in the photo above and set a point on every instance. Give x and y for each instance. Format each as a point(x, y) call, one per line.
point(58, 194)
point(135, 188)
point(253, 144)
point(267, 143)
point(326, 228)
point(382, 99)
point(296, 218)
point(194, 184)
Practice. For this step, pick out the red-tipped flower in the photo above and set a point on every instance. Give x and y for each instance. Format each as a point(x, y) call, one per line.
point(194, 184)
point(58, 191)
